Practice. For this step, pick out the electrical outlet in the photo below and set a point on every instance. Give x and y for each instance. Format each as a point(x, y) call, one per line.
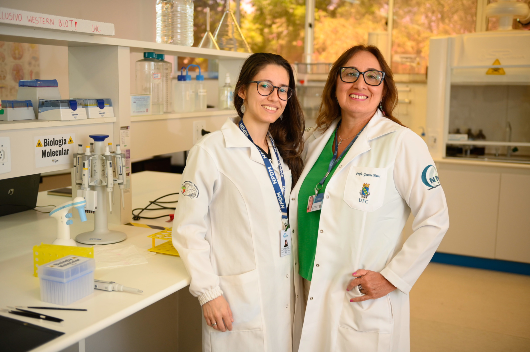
point(5, 155)
point(198, 126)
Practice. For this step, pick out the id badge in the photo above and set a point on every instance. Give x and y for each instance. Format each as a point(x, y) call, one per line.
point(285, 242)
point(314, 202)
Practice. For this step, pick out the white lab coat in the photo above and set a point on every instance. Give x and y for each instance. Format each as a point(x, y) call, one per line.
point(227, 230)
point(357, 232)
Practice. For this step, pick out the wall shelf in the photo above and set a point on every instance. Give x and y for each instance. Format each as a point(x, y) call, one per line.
point(31, 124)
point(12, 33)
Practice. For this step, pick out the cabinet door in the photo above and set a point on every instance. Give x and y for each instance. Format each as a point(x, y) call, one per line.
point(473, 199)
point(513, 231)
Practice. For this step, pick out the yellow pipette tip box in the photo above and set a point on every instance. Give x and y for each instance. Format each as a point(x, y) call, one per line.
point(46, 253)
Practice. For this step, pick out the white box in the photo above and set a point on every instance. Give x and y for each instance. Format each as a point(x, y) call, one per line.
point(16, 110)
point(61, 110)
point(97, 108)
point(140, 104)
point(66, 280)
point(38, 89)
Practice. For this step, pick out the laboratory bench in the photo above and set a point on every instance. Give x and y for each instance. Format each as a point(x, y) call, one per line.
point(160, 279)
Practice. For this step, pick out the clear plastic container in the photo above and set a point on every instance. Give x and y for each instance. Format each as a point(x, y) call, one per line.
point(167, 68)
point(66, 280)
point(200, 90)
point(149, 80)
point(226, 94)
point(183, 22)
point(164, 27)
point(189, 96)
point(179, 94)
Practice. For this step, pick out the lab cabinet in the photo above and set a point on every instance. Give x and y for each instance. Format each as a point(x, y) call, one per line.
point(513, 228)
point(473, 202)
point(489, 210)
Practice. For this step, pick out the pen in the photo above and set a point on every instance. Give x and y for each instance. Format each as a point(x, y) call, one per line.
point(55, 308)
point(30, 314)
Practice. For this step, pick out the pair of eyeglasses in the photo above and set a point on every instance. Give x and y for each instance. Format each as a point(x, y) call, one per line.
point(265, 88)
point(371, 77)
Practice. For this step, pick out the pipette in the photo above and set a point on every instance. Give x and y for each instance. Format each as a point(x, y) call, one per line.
point(112, 286)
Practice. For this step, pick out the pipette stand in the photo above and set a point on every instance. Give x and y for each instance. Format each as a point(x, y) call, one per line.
point(98, 170)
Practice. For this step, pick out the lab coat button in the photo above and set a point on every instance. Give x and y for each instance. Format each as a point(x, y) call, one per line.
point(321, 231)
point(310, 298)
point(287, 276)
point(318, 265)
point(293, 198)
point(327, 197)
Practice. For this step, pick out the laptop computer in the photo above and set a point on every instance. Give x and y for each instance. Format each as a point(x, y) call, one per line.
point(18, 194)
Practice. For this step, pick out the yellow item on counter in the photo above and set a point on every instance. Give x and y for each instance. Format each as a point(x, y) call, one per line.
point(46, 253)
point(166, 247)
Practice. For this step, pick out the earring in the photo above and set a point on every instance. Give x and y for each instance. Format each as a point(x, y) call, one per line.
point(381, 108)
point(281, 117)
point(243, 108)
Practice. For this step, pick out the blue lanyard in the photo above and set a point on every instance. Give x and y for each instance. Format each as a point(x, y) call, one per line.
point(336, 159)
point(272, 176)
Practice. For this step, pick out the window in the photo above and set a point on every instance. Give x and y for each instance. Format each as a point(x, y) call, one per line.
point(341, 24)
point(415, 21)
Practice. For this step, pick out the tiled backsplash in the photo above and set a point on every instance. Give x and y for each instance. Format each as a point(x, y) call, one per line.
point(490, 108)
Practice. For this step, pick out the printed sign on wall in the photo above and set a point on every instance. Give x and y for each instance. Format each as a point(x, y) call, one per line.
point(54, 150)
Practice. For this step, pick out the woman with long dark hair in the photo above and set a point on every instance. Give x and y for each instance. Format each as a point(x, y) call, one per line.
point(231, 224)
point(364, 174)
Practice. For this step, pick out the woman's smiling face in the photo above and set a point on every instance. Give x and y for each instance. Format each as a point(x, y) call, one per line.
point(359, 99)
point(265, 109)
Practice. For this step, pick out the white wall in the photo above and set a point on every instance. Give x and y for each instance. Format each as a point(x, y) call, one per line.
point(132, 19)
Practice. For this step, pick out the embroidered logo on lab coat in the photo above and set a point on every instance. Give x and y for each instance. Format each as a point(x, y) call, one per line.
point(189, 189)
point(365, 191)
point(429, 177)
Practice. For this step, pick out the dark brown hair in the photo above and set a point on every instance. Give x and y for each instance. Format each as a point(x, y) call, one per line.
point(330, 109)
point(287, 131)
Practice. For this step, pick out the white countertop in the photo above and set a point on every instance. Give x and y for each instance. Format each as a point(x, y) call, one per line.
point(477, 162)
point(162, 276)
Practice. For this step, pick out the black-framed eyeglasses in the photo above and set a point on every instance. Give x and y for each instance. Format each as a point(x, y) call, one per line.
point(265, 88)
point(371, 77)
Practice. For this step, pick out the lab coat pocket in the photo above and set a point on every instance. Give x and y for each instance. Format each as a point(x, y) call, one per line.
point(373, 315)
point(242, 293)
point(365, 188)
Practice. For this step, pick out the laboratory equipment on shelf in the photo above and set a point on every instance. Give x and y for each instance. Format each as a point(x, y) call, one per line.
point(37, 89)
point(506, 10)
point(182, 22)
point(226, 94)
point(16, 110)
point(179, 94)
point(189, 94)
point(61, 110)
point(164, 25)
point(208, 41)
point(200, 90)
point(97, 108)
point(167, 68)
point(64, 220)
point(228, 35)
point(95, 173)
point(149, 80)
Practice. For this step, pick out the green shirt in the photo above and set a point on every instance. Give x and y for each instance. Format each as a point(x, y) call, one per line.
point(308, 223)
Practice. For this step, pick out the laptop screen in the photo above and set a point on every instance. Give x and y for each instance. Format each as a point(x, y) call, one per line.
point(18, 194)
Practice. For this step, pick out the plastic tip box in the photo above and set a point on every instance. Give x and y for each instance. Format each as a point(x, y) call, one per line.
point(97, 108)
point(38, 83)
point(15, 110)
point(66, 280)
